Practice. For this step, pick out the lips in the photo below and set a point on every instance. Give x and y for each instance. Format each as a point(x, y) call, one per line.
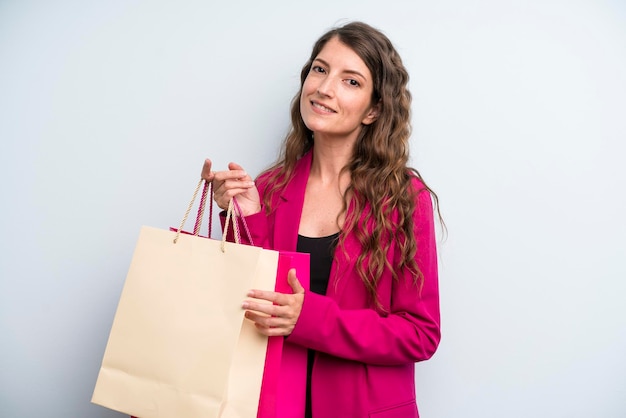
point(317, 105)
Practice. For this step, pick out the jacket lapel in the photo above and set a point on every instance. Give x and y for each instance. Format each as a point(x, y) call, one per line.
point(289, 210)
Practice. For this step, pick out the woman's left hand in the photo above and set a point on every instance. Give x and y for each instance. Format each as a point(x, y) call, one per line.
point(280, 316)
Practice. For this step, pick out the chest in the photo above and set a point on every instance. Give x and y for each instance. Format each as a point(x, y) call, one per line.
point(320, 210)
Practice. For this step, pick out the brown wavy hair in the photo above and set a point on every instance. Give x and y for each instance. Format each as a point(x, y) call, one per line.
point(378, 167)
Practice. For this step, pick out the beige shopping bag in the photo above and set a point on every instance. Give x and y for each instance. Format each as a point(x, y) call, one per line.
point(175, 339)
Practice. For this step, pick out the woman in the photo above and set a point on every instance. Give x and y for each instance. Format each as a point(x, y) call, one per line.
point(343, 192)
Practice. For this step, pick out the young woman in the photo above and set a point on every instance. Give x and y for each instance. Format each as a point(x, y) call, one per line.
point(342, 191)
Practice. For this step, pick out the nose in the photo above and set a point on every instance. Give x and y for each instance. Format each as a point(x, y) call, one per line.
point(326, 87)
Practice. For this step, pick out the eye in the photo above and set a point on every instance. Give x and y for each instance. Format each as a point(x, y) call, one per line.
point(317, 69)
point(353, 82)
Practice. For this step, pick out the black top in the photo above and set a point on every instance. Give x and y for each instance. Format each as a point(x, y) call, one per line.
point(321, 251)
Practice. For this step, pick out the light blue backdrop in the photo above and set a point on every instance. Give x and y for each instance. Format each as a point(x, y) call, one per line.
point(108, 108)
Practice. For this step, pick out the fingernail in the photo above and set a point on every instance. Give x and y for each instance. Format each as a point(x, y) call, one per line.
point(250, 293)
point(245, 305)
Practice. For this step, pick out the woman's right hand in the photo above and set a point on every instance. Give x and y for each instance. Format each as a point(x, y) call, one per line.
point(230, 183)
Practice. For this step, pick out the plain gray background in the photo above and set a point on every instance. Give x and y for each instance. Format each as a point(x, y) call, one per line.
point(108, 109)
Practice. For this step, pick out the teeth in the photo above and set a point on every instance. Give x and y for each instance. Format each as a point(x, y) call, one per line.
point(319, 106)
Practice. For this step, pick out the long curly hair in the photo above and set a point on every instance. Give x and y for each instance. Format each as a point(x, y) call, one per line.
point(380, 187)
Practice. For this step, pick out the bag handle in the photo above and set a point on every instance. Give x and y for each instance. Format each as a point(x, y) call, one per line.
point(232, 213)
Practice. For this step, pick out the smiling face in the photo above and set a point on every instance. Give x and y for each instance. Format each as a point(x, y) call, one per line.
point(336, 99)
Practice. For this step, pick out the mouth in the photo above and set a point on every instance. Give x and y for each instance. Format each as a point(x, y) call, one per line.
point(322, 107)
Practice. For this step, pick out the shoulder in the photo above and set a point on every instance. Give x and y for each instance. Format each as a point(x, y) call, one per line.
point(416, 183)
point(274, 174)
point(265, 177)
point(423, 195)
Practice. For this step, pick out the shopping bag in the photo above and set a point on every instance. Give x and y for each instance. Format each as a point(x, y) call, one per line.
point(174, 338)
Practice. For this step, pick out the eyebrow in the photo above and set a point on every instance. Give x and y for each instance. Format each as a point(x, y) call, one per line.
point(345, 71)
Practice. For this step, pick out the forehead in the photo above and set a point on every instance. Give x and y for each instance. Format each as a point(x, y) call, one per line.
point(341, 57)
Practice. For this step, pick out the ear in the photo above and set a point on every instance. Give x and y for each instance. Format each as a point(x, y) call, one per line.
point(372, 114)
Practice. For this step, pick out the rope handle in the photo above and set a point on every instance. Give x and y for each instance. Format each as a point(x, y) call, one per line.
point(196, 228)
point(233, 212)
point(243, 221)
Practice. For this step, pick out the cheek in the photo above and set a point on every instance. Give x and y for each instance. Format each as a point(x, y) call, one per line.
point(303, 108)
point(308, 87)
point(302, 102)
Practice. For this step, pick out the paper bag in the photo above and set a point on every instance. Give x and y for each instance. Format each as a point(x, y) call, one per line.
point(175, 334)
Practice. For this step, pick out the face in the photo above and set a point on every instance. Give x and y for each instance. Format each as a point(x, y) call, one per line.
point(336, 99)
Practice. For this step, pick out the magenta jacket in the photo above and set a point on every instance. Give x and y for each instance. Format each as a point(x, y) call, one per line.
point(365, 361)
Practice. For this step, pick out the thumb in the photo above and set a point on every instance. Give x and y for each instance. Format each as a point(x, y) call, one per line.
point(206, 170)
point(294, 282)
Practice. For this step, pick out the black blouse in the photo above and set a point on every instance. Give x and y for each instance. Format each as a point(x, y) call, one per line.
point(321, 251)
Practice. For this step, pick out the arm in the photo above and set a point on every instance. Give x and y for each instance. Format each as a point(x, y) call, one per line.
point(409, 333)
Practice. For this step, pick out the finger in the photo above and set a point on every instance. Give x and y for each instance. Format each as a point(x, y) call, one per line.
point(269, 321)
point(273, 332)
point(232, 175)
point(206, 170)
point(293, 281)
point(234, 166)
point(263, 294)
point(263, 307)
point(235, 171)
point(234, 186)
point(270, 326)
point(225, 190)
point(237, 184)
point(228, 194)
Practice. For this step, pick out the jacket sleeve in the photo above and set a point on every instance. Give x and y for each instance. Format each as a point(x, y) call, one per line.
point(409, 333)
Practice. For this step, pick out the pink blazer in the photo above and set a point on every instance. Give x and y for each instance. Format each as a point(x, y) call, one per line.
point(364, 366)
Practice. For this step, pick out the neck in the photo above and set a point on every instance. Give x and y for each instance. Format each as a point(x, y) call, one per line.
point(329, 158)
